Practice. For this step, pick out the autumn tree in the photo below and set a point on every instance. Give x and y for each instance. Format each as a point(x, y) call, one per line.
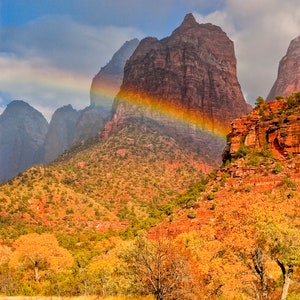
point(159, 267)
point(283, 245)
point(262, 285)
point(40, 253)
point(259, 101)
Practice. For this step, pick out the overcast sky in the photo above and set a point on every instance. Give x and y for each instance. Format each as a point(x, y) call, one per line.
point(51, 49)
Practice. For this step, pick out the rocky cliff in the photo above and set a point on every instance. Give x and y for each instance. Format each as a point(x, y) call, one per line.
point(22, 134)
point(69, 127)
point(288, 78)
point(107, 82)
point(91, 121)
point(61, 131)
point(188, 76)
point(272, 126)
point(194, 69)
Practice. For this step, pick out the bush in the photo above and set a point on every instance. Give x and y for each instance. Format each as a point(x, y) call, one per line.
point(243, 151)
point(210, 196)
point(293, 100)
point(278, 168)
point(279, 97)
point(259, 101)
point(192, 214)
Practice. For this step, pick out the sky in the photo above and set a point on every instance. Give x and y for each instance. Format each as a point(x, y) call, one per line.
point(51, 49)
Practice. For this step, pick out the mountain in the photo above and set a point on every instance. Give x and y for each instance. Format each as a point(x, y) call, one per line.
point(193, 70)
point(60, 134)
point(233, 234)
point(107, 82)
point(145, 192)
point(144, 158)
point(187, 82)
point(22, 134)
point(69, 127)
point(90, 122)
point(288, 77)
point(132, 177)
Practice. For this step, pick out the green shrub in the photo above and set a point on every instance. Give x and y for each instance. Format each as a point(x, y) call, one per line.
point(289, 183)
point(243, 151)
point(293, 100)
point(278, 168)
point(259, 101)
point(279, 97)
point(210, 196)
point(192, 214)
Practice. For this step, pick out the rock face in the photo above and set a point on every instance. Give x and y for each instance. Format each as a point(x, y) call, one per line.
point(60, 135)
point(190, 77)
point(194, 69)
point(69, 127)
point(107, 82)
point(274, 125)
point(22, 134)
point(91, 121)
point(288, 78)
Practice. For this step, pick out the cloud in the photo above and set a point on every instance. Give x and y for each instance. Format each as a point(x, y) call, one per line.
point(66, 43)
point(261, 31)
point(50, 62)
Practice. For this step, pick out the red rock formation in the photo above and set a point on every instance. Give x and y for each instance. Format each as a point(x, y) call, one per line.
point(274, 125)
point(288, 78)
point(194, 69)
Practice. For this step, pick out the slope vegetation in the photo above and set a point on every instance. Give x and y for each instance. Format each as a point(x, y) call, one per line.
point(131, 178)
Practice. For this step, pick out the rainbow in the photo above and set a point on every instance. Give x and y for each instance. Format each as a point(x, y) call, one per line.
point(164, 108)
point(63, 82)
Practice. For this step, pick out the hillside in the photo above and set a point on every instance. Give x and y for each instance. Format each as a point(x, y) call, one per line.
point(130, 177)
point(231, 235)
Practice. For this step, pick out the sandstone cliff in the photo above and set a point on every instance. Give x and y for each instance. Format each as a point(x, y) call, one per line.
point(273, 126)
point(188, 76)
point(194, 69)
point(107, 82)
point(288, 78)
point(22, 134)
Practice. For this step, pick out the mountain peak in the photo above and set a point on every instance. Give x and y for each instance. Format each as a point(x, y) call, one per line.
point(22, 135)
point(109, 78)
point(294, 47)
point(189, 21)
point(176, 69)
point(288, 77)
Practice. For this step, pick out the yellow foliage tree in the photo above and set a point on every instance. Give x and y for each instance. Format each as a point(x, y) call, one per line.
point(40, 253)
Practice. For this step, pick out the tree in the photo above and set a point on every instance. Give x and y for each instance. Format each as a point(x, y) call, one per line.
point(158, 265)
point(40, 253)
point(262, 285)
point(259, 101)
point(283, 245)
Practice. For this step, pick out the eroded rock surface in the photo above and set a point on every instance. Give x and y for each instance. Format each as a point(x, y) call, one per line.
point(288, 78)
point(274, 126)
